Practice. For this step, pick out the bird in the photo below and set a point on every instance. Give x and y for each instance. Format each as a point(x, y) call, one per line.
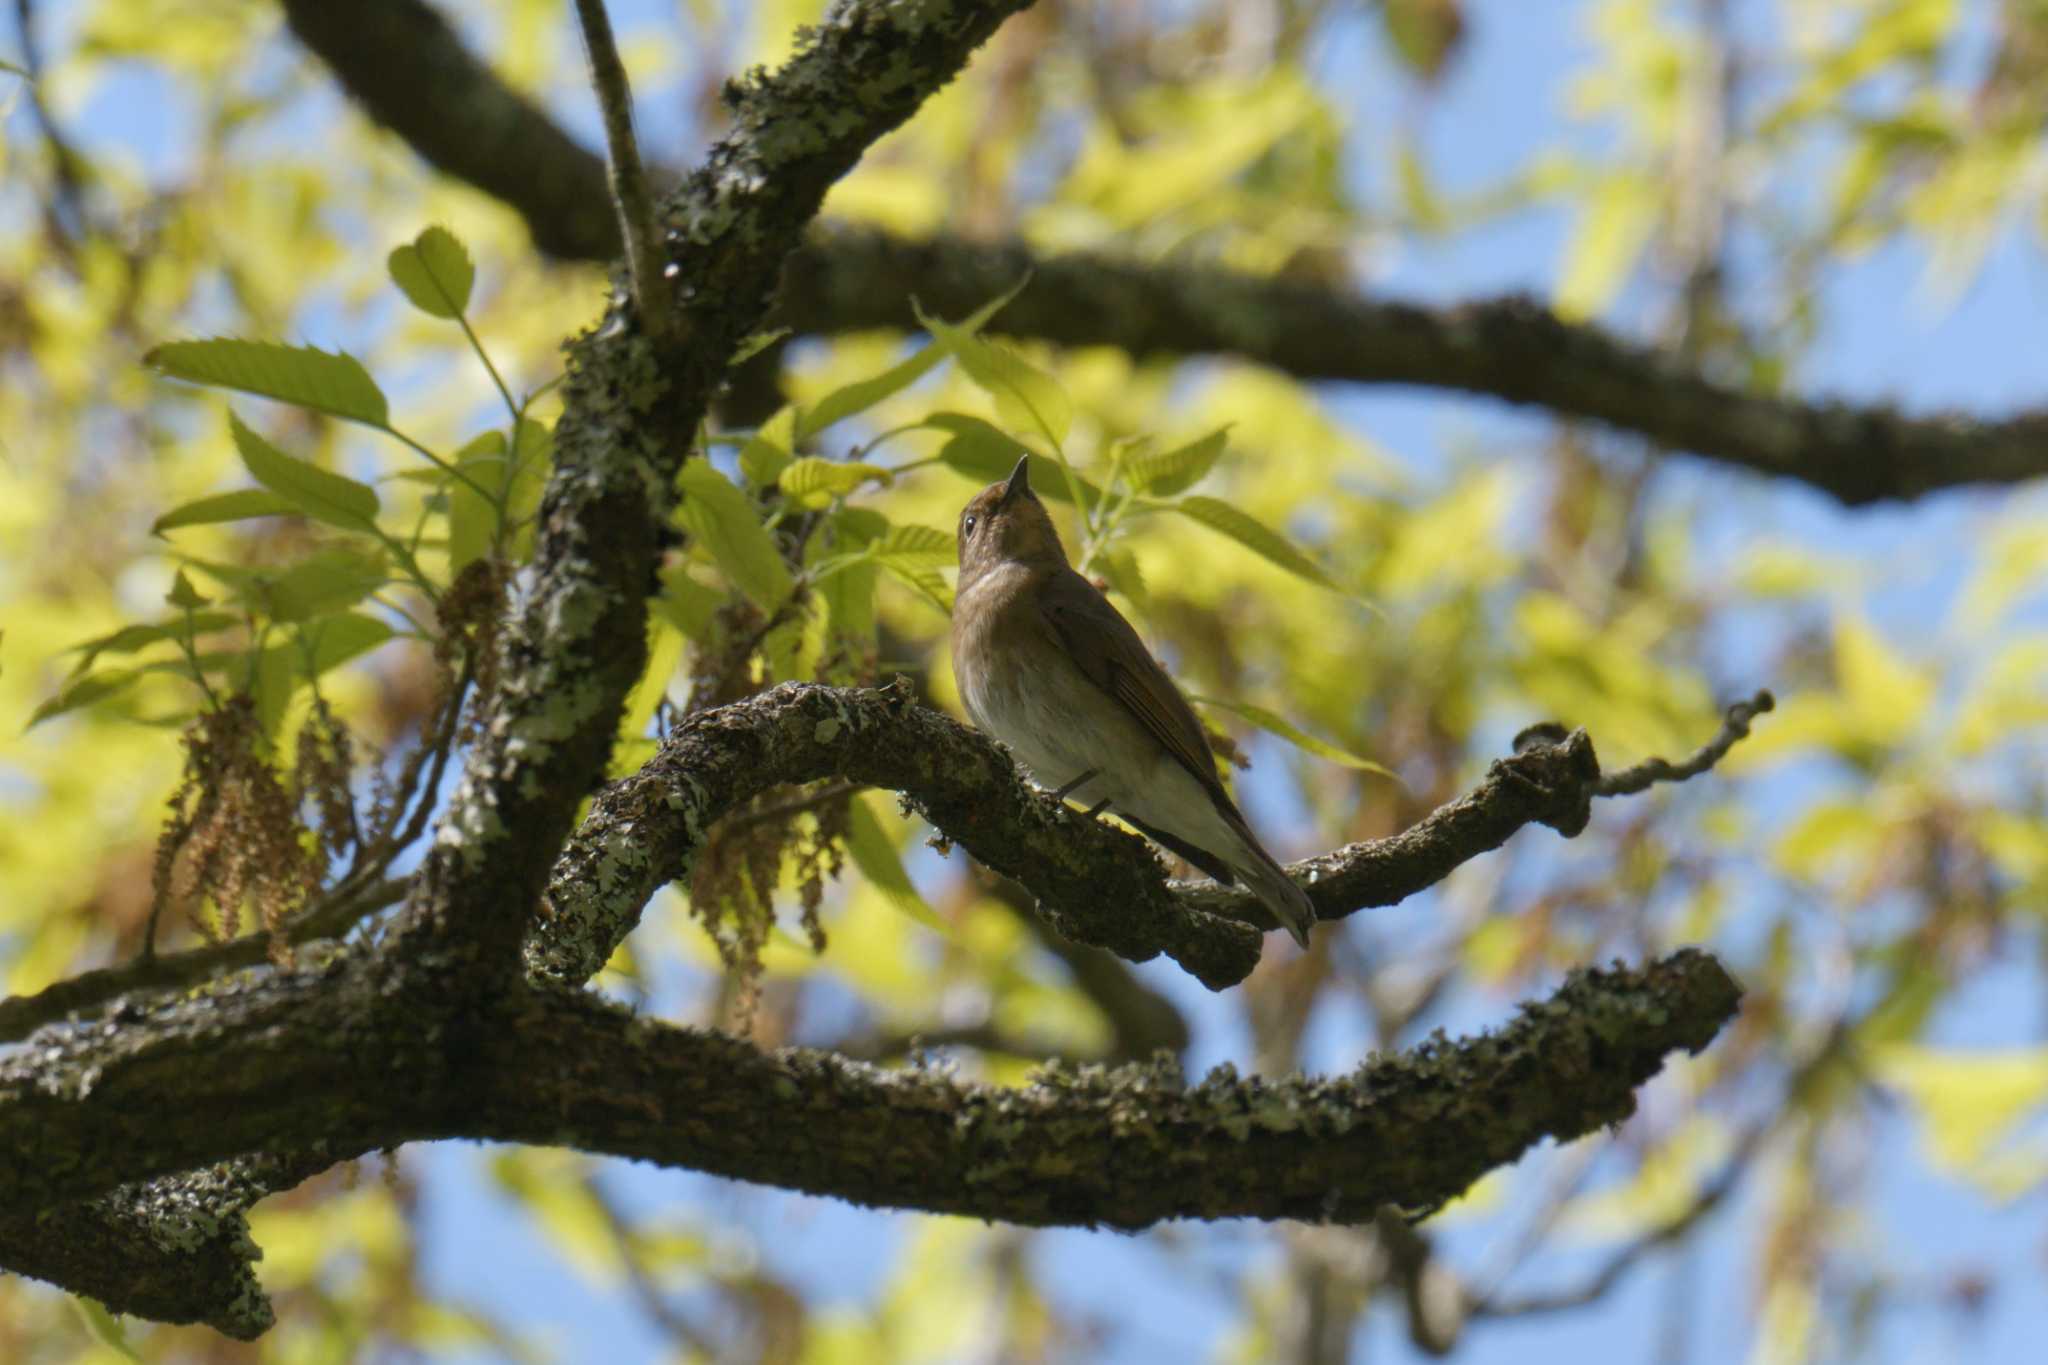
point(1048, 666)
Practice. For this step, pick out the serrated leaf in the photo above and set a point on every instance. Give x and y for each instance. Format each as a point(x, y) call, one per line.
point(337, 639)
point(472, 517)
point(301, 375)
point(863, 394)
point(1253, 534)
point(1026, 397)
point(434, 272)
point(754, 345)
point(1176, 471)
point(239, 505)
point(183, 594)
point(724, 521)
point(925, 582)
point(277, 677)
point(984, 452)
point(327, 582)
point(878, 861)
point(1274, 723)
point(914, 545)
point(331, 498)
point(815, 482)
point(770, 449)
point(129, 639)
point(84, 691)
point(1120, 567)
point(687, 604)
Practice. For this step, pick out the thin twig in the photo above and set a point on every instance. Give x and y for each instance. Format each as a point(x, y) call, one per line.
point(628, 178)
point(1734, 727)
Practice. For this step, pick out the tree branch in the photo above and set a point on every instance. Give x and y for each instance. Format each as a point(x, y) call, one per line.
point(1094, 883)
point(320, 1062)
point(410, 72)
point(575, 642)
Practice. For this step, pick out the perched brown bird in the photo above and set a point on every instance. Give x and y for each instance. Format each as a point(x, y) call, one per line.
point(1050, 668)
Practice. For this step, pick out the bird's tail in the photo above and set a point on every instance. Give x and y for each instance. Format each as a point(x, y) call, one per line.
point(1288, 902)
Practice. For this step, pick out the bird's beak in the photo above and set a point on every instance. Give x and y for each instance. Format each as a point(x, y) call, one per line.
point(1020, 482)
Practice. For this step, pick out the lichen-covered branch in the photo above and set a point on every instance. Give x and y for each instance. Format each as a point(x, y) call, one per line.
point(303, 1061)
point(1094, 883)
point(574, 643)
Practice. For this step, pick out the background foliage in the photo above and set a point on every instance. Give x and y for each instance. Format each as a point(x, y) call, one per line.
point(1873, 864)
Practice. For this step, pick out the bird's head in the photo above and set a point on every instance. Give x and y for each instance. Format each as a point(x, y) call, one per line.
point(1006, 523)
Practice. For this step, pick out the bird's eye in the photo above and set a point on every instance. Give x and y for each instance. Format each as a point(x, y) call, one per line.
point(967, 527)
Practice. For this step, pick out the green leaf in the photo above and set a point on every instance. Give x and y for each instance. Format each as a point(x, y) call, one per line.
point(724, 521)
point(327, 582)
point(1026, 397)
point(533, 455)
point(814, 482)
point(302, 375)
point(770, 449)
point(331, 498)
point(914, 546)
point(1273, 723)
point(434, 272)
point(472, 517)
point(130, 639)
point(687, 604)
point(1176, 471)
point(277, 677)
point(754, 345)
point(84, 691)
point(876, 857)
point(863, 394)
point(239, 505)
point(1251, 533)
point(105, 1328)
point(1612, 231)
point(183, 594)
point(925, 582)
point(983, 452)
point(337, 639)
point(1120, 567)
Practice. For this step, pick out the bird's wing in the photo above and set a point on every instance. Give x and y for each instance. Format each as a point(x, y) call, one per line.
point(1110, 654)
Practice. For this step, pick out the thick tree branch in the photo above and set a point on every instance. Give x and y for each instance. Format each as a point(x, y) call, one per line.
point(1094, 883)
point(410, 72)
point(322, 1062)
point(406, 67)
point(1510, 348)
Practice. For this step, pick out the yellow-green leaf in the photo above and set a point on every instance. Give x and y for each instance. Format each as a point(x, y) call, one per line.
point(301, 375)
point(434, 272)
point(1609, 238)
point(239, 505)
point(813, 482)
point(770, 449)
point(878, 861)
point(332, 498)
point(724, 522)
point(1026, 397)
point(862, 394)
point(337, 639)
point(84, 691)
point(1274, 723)
point(982, 451)
point(327, 582)
point(1253, 534)
point(1177, 470)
